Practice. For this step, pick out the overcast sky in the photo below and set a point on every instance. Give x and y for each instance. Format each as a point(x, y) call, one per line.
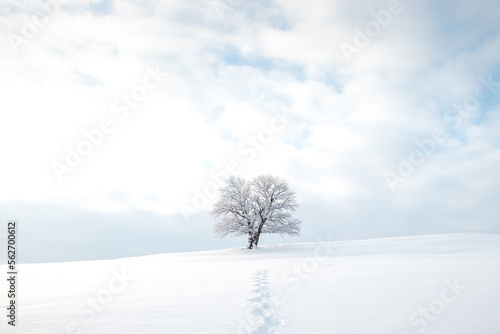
point(120, 118)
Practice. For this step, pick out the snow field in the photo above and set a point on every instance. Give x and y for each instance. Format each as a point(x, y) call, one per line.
point(424, 284)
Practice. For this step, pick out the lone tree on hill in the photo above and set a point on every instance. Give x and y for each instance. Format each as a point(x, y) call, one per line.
point(264, 205)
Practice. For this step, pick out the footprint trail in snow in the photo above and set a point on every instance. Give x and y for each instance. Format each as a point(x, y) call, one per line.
point(260, 315)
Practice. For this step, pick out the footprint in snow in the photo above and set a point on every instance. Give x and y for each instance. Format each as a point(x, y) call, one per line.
point(260, 317)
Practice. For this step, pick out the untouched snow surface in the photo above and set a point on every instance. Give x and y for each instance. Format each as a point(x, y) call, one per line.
point(426, 284)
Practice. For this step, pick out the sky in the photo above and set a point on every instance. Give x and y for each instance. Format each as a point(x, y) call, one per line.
point(121, 119)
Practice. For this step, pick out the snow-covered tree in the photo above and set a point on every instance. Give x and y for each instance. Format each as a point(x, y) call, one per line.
point(234, 208)
point(264, 205)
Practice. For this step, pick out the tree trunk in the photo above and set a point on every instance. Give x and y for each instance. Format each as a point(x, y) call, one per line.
point(257, 235)
point(251, 240)
point(257, 239)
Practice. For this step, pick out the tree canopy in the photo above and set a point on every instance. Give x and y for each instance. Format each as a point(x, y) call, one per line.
point(264, 205)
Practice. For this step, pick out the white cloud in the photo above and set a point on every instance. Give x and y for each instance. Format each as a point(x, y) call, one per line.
point(226, 77)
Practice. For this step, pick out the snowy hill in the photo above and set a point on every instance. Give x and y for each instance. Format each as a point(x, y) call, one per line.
point(426, 284)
